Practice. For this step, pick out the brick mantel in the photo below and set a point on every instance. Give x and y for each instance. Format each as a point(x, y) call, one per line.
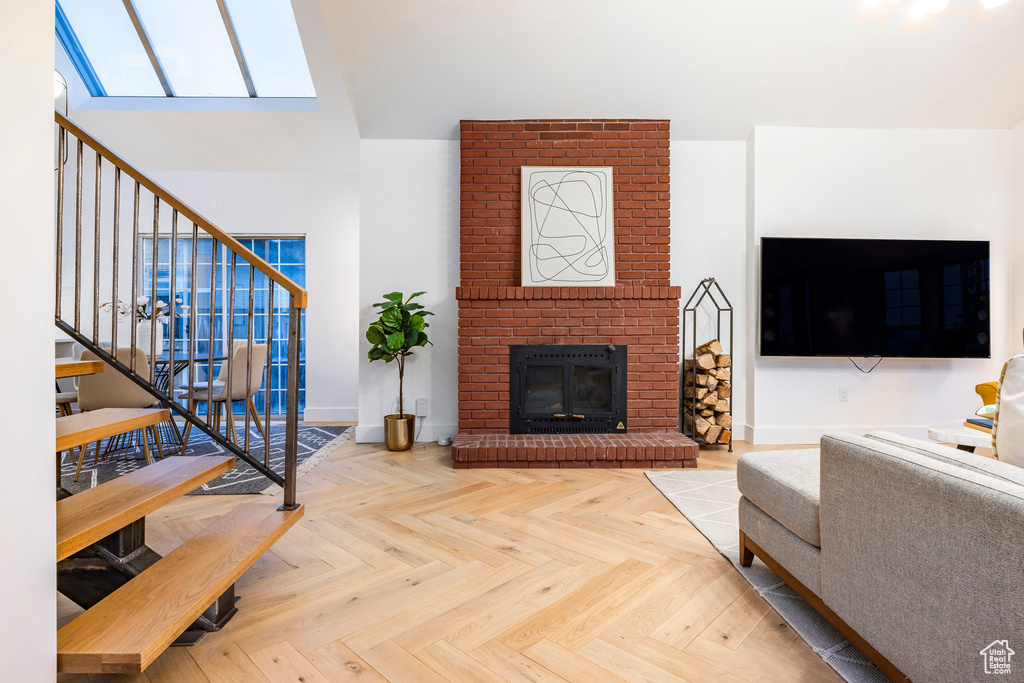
point(641, 311)
point(617, 292)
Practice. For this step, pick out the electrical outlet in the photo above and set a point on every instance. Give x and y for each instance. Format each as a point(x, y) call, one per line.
point(421, 407)
point(844, 394)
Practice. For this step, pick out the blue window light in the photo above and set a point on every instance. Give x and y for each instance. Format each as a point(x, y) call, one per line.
point(285, 254)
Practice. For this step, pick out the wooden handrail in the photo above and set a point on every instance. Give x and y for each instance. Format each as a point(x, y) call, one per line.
point(188, 212)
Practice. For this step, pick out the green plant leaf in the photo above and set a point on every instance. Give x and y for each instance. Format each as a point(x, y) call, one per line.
point(412, 307)
point(396, 341)
point(417, 323)
point(413, 296)
point(394, 296)
point(411, 338)
point(375, 335)
point(387, 304)
point(392, 318)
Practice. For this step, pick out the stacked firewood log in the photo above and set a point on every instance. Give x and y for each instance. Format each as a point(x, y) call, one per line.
point(707, 386)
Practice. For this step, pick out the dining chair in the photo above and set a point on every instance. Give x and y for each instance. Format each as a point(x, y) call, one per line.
point(111, 389)
point(64, 399)
point(239, 381)
point(222, 372)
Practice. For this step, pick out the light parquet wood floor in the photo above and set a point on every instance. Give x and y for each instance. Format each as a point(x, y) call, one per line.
point(406, 570)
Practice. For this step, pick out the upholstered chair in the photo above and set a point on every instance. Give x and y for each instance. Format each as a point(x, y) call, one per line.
point(243, 388)
point(111, 389)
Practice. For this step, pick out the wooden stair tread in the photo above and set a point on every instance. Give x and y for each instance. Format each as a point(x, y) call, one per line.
point(86, 517)
point(82, 428)
point(128, 629)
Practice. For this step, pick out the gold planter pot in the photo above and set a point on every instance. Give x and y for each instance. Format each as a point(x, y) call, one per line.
point(399, 431)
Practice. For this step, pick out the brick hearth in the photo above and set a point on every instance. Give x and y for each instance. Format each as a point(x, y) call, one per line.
point(641, 311)
point(575, 450)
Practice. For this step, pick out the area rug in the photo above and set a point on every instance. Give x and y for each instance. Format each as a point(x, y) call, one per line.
point(710, 501)
point(315, 444)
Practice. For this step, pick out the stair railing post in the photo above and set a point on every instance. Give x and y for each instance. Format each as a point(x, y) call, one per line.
point(61, 149)
point(291, 438)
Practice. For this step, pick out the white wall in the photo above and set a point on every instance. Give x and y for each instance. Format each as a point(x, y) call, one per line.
point(271, 172)
point(709, 181)
point(1018, 240)
point(409, 242)
point(27, 531)
point(708, 235)
point(934, 184)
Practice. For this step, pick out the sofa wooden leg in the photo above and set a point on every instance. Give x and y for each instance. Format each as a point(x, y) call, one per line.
point(746, 554)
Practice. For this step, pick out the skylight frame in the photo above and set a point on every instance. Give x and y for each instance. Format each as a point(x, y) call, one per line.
point(147, 45)
point(78, 56)
point(67, 37)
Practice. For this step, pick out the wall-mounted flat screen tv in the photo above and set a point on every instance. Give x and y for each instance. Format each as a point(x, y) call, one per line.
point(871, 298)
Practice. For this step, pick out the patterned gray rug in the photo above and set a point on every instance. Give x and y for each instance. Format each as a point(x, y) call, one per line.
point(709, 500)
point(315, 443)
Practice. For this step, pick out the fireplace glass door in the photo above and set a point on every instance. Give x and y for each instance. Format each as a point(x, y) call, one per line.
point(592, 389)
point(545, 390)
point(567, 389)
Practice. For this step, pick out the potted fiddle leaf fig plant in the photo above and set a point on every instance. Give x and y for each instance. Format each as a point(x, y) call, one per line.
point(400, 328)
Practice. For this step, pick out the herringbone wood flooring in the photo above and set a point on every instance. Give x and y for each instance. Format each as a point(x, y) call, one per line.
point(404, 569)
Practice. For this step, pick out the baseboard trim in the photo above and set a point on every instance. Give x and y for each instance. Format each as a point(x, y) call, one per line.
point(763, 436)
point(330, 415)
point(744, 433)
point(427, 432)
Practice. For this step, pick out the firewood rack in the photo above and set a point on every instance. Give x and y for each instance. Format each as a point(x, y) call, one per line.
point(708, 299)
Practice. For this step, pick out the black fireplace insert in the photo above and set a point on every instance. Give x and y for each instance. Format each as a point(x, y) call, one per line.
point(567, 389)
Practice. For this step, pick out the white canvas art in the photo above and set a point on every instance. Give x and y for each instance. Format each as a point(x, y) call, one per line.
point(568, 227)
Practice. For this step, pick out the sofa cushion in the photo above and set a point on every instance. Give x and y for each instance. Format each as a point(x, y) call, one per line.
point(952, 456)
point(1008, 431)
point(800, 559)
point(785, 485)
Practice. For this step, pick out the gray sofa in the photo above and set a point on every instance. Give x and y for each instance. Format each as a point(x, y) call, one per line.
point(914, 551)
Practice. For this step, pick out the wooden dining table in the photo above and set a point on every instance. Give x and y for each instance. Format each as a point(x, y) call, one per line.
point(72, 367)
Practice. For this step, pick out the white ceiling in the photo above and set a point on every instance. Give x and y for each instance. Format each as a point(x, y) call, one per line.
point(716, 68)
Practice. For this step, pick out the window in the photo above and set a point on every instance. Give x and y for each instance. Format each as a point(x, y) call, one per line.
point(963, 283)
point(952, 297)
point(288, 255)
point(903, 308)
point(186, 48)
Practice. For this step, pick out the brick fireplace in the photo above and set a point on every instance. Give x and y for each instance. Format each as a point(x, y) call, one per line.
point(641, 312)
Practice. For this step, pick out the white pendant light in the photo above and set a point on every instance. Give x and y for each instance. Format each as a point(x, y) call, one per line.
point(60, 86)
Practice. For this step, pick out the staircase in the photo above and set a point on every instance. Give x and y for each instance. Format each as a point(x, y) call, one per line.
point(138, 603)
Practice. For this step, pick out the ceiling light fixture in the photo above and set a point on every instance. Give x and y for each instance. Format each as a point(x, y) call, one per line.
point(920, 8)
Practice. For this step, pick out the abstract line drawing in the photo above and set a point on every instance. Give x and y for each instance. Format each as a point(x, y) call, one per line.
point(568, 226)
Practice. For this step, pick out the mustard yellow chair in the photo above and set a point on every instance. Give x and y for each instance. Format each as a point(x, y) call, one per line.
point(988, 392)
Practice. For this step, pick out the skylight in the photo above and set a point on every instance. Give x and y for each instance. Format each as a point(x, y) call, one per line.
point(186, 48)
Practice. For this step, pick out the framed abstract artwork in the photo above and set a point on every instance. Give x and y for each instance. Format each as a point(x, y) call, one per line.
point(568, 226)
